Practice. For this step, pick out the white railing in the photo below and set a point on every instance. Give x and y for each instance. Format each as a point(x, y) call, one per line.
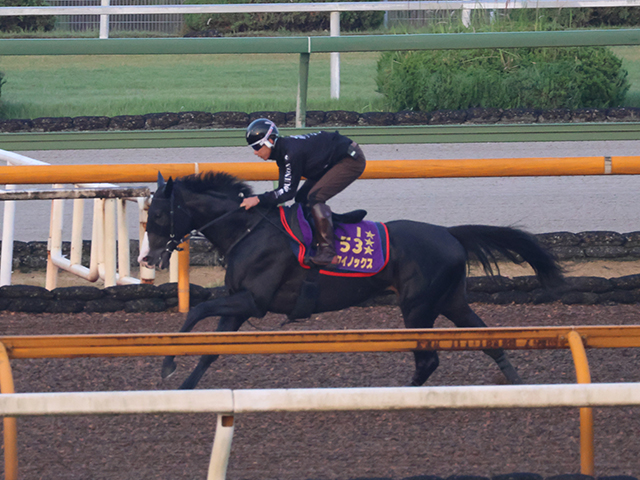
point(227, 403)
point(109, 223)
point(313, 7)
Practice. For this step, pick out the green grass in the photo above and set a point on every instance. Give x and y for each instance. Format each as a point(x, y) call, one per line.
point(49, 86)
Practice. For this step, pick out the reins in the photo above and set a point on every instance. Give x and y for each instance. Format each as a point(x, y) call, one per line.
point(174, 242)
point(246, 232)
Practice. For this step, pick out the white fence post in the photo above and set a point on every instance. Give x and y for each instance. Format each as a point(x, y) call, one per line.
point(466, 16)
point(104, 21)
point(54, 245)
point(221, 448)
point(335, 56)
point(6, 264)
point(147, 275)
point(109, 244)
point(124, 259)
point(173, 267)
point(75, 254)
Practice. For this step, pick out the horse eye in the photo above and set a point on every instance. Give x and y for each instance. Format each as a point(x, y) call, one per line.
point(159, 218)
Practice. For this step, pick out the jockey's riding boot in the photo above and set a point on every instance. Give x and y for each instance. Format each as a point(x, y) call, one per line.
point(326, 253)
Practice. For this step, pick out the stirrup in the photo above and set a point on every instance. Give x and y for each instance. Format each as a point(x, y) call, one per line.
point(324, 262)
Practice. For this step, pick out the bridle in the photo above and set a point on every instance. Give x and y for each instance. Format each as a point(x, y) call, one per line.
point(174, 242)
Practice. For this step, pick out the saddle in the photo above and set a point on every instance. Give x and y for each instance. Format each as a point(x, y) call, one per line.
point(362, 246)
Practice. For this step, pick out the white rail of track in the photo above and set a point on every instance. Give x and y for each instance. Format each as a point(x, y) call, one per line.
point(106, 9)
point(107, 262)
point(227, 403)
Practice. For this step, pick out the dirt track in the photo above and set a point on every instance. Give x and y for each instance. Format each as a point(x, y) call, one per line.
point(323, 445)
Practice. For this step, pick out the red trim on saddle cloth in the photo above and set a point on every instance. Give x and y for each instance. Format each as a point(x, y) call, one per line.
point(302, 251)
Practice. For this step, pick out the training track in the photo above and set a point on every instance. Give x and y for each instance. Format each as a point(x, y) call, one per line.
point(299, 446)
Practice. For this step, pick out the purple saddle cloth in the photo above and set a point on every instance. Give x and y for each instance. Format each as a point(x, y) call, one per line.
point(362, 247)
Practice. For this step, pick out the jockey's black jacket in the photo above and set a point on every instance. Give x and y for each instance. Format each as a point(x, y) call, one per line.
point(309, 156)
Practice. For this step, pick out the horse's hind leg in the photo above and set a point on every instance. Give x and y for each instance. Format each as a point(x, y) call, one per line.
point(421, 316)
point(508, 370)
point(426, 363)
point(461, 314)
point(421, 302)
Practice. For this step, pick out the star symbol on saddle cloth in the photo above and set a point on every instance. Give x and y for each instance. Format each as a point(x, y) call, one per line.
point(369, 242)
point(370, 234)
point(368, 250)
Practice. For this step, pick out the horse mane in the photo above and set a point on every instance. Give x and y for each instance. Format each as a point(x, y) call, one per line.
point(219, 182)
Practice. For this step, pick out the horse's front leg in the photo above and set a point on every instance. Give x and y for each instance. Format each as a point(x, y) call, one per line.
point(239, 305)
point(226, 324)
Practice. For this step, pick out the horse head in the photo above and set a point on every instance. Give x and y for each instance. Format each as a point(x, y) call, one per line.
point(183, 205)
point(168, 223)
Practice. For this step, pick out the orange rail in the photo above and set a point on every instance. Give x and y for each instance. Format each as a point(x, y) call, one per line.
point(9, 423)
point(376, 169)
point(583, 375)
point(159, 344)
point(67, 346)
point(625, 165)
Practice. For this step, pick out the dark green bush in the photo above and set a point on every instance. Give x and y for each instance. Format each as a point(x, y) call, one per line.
point(26, 23)
point(544, 78)
point(294, 22)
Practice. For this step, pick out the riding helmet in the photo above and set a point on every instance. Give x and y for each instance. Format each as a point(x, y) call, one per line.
point(261, 132)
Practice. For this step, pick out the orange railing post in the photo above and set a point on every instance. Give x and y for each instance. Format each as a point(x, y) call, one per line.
point(586, 414)
point(183, 278)
point(9, 423)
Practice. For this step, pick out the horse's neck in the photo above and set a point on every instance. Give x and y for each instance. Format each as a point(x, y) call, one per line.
point(224, 232)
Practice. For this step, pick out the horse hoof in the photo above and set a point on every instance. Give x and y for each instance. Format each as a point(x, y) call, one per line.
point(168, 368)
point(514, 379)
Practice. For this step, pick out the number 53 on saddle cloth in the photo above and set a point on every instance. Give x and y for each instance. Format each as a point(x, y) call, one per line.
point(362, 247)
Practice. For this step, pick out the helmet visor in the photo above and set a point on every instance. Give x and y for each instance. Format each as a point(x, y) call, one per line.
point(259, 144)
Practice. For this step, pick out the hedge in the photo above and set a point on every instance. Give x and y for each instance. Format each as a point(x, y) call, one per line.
point(539, 78)
point(26, 23)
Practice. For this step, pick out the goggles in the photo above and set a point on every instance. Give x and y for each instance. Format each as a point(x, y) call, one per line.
point(264, 140)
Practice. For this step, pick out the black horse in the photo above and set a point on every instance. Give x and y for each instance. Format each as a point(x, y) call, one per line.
point(427, 265)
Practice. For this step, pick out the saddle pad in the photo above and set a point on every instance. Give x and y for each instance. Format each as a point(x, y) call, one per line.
point(362, 248)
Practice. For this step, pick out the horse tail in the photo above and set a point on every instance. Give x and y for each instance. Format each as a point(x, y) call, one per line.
point(484, 242)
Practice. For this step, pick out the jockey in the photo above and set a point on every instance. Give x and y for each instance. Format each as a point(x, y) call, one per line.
point(329, 161)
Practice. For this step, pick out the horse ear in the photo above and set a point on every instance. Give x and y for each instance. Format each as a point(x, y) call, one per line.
point(168, 188)
point(164, 188)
